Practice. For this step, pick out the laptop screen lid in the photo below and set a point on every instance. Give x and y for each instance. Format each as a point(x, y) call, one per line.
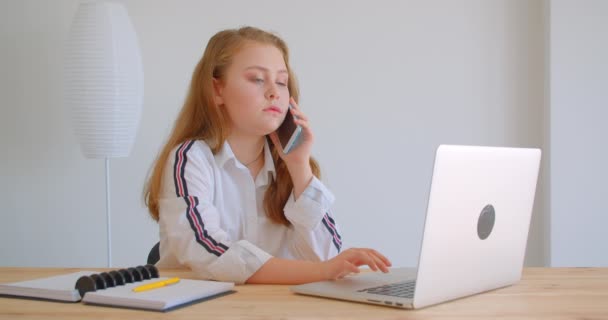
point(477, 221)
point(475, 231)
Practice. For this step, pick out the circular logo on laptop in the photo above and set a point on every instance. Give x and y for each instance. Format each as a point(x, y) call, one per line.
point(485, 224)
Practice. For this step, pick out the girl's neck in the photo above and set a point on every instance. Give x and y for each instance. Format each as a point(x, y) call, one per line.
point(247, 149)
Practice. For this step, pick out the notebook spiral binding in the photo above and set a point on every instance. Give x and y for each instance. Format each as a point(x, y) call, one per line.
point(103, 280)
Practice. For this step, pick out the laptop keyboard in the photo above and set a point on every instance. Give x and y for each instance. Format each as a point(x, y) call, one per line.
point(399, 289)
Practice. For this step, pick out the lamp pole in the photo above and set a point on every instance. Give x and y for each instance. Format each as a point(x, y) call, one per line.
point(108, 216)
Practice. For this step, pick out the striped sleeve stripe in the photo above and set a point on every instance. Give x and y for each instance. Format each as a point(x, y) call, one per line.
point(337, 240)
point(196, 223)
point(194, 217)
point(333, 224)
point(179, 167)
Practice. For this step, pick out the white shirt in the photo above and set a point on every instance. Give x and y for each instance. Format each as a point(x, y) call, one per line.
point(212, 218)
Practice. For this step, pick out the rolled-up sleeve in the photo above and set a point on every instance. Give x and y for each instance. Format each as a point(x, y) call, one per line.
point(189, 224)
point(316, 235)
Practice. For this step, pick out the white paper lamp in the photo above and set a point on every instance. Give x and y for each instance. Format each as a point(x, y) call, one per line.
point(103, 84)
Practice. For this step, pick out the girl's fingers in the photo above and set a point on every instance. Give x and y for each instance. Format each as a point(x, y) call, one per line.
point(375, 260)
point(300, 118)
point(295, 110)
point(299, 114)
point(366, 258)
point(293, 103)
point(381, 265)
point(382, 257)
point(379, 259)
point(377, 263)
point(302, 123)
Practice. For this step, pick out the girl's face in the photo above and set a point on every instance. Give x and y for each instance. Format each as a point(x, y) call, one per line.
point(254, 90)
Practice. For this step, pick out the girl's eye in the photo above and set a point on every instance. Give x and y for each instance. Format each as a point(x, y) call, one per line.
point(258, 80)
point(283, 84)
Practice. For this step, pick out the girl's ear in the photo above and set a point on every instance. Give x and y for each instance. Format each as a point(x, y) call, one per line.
point(217, 92)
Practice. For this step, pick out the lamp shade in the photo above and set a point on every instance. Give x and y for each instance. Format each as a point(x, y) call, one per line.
point(103, 79)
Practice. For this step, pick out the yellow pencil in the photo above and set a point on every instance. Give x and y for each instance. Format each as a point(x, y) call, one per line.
point(154, 285)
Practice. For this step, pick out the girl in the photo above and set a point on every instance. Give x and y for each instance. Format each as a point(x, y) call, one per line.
point(230, 204)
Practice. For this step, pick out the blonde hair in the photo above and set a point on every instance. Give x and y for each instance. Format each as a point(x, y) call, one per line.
point(200, 119)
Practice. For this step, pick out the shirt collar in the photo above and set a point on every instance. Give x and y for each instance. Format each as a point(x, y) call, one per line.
point(268, 168)
point(225, 154)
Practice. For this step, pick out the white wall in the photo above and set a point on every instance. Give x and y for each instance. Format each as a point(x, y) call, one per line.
point(383, 82)
point(579, 149)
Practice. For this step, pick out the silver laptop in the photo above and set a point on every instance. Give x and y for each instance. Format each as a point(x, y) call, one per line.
point(475, 232)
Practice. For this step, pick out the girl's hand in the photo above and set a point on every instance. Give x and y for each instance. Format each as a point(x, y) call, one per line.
point(350, 260)
point(300, 155)
point(298, 159)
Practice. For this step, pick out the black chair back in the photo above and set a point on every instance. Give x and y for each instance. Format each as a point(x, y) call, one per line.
point(154, 254)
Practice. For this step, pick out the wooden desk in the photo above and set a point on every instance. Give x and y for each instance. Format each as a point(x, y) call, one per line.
point(543, 293)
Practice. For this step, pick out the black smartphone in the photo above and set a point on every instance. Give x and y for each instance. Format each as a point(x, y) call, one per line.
point(289, 132)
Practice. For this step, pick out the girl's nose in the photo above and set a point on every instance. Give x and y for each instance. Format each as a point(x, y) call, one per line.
point(272, 93)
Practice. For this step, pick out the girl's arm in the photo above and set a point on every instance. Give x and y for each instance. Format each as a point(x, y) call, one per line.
point(316, 235)
point(283, 271)
point(298, 160)
point(301, 175)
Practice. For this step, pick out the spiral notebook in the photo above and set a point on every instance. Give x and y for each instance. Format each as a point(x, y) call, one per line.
point(63, 288)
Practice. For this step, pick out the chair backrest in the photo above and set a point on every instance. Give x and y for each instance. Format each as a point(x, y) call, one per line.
point(154, 254)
